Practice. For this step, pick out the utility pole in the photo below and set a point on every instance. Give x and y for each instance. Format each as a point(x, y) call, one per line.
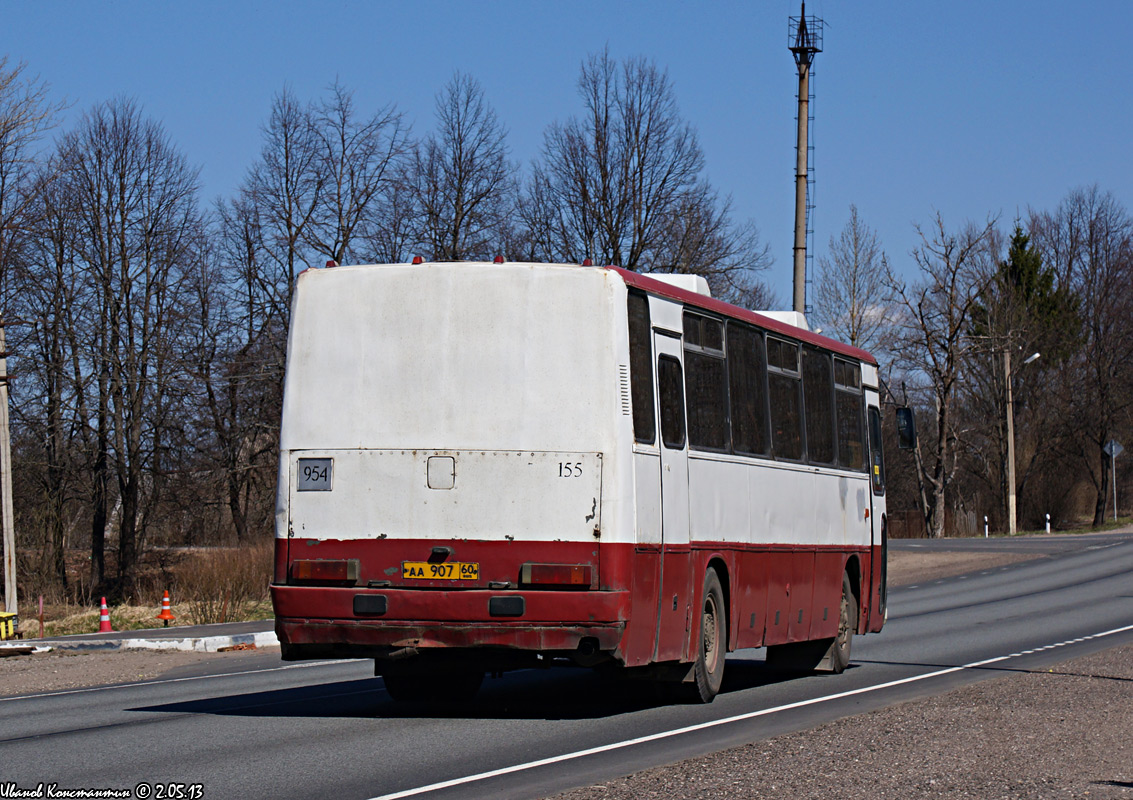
point(1010, 444)
point(10, 605)
point(804, 41)
point(1011, 526)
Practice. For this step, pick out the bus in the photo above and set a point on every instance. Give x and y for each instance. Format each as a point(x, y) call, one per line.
point(492, 466)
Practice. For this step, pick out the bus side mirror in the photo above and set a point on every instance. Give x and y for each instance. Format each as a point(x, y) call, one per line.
point(906, 428)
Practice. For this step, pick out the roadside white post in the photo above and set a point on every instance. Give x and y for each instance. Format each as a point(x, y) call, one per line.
point(1048, 523)
point(985, 526)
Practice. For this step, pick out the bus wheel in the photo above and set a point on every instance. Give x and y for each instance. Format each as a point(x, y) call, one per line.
point(847, 623)
point(434, 687)
point(712, 643)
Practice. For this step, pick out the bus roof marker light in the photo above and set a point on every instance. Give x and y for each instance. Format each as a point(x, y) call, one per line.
point(418, 260)
point(586, 262)
point(332, 263)
point(498, 260)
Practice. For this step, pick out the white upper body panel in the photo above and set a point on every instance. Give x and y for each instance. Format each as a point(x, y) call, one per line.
point(506, 380)
point(453, 356)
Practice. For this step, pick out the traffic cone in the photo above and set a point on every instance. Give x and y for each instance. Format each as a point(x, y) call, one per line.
point(104, 619)
point(166, 614)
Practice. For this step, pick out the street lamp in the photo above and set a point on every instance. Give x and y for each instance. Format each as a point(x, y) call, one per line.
point(1011, 437)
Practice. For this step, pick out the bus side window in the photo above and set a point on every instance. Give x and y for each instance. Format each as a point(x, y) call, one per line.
point(818, 391)
point(641, 369)
point(672, 402)
point(849, 407)
point(706, 383)
point(786, 399)
point(877, 462)
point(746, 376)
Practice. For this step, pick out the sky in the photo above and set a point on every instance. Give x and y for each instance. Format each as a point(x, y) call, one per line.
point(963, 108)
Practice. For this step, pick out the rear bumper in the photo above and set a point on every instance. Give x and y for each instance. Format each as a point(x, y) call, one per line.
point(317, 622)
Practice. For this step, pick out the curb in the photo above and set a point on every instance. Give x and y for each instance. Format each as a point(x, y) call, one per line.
point(202, 644)
point(205, 644)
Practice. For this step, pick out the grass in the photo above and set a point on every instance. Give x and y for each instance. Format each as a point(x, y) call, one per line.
point(227, 584)
point(1110, 524)
point(1082, 527)
point(68, 620)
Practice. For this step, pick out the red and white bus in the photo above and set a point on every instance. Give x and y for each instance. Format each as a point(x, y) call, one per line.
point(493, 466)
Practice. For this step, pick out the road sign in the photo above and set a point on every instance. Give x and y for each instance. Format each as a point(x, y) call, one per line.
point(1113, 450)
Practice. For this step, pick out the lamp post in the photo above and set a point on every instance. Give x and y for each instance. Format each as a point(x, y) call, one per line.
point(1011, 437)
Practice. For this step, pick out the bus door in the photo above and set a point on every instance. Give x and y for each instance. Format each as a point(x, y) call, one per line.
point(879, 545)
point(672, 619)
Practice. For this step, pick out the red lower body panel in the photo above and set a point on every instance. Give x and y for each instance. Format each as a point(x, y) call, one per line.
point(423, 618)
point(640, 607)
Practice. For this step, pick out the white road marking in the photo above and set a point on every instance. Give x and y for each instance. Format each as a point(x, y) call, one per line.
point(714, 723)
point(304, 665)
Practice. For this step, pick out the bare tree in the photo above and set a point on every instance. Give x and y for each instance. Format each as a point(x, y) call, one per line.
point(139, 228)
point(49, 294)
point(1089, 241)
point(624, 185)
point(280, 198)
point(393, 233)
point(25, 116)
point(358, 159)
point(933, 342)
point(236, 392)
point(849, 293)
point(462, 182)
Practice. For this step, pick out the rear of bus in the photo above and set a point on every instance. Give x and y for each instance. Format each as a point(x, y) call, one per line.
point(446, 461)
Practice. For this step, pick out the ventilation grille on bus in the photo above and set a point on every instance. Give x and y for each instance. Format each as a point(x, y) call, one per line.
point(623, 372)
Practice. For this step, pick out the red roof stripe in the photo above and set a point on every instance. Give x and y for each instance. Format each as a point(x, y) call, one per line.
point(644, 282)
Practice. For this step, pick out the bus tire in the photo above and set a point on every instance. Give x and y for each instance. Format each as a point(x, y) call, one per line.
point(711, 642)
point(839, 657)
point(457, 686)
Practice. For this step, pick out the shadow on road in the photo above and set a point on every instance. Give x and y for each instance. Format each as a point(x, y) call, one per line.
point(556, 693)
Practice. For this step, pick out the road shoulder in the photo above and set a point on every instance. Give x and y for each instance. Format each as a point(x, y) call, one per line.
point(1058, 732)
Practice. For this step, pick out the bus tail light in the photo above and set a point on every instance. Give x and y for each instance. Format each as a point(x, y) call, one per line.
point(555, 574)
point(325, 571)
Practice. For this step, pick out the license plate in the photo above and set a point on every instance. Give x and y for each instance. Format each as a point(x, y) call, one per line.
point(447, 571)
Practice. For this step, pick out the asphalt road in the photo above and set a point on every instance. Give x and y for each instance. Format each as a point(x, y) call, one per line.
point(329, 729)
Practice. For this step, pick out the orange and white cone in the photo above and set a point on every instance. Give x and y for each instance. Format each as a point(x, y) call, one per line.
point(104, 619)
point(166, 614)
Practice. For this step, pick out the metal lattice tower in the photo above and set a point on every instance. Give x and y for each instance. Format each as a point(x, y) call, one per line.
point(804, 40)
